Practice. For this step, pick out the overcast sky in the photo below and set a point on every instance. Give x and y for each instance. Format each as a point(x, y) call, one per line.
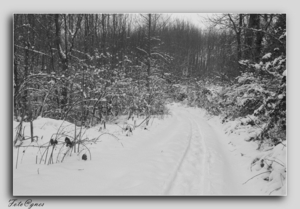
point(198, 19)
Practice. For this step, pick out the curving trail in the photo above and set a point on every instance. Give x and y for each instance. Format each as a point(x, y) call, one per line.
point(180, 155)
point(203, 168)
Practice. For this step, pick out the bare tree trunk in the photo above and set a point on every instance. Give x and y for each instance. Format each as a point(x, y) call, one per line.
point(16, 74)
point(250, 35)
point(103, 41)
point(149, 53)
point(258, 41)
point(63, 57)
point(238, 37)
point(26, 68)
point(238, 31)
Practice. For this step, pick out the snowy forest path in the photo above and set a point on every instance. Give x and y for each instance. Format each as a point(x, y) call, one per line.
point(181, 154)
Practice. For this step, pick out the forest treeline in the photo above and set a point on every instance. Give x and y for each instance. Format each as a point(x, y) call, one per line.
point(85, 68)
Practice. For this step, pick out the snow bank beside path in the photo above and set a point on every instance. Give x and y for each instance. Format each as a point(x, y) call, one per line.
point(142, 166)
point(264, 171)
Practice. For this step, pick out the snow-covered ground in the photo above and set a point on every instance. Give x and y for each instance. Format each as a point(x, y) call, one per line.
point(186, 153)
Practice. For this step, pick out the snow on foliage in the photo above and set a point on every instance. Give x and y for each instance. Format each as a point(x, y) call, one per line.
point(284, 73)
point(267, 56)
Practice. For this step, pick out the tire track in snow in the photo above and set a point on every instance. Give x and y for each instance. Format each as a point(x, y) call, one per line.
point(189, 177)
point(170, 184)
point(216, 178)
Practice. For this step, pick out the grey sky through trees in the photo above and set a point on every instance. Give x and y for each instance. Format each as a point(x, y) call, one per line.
point(198, 19)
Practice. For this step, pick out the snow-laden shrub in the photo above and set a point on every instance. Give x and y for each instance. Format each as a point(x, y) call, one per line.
point(198, 95)
point(260, 93)
point(271, 82)
point(87, 95)
point(271, 167)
